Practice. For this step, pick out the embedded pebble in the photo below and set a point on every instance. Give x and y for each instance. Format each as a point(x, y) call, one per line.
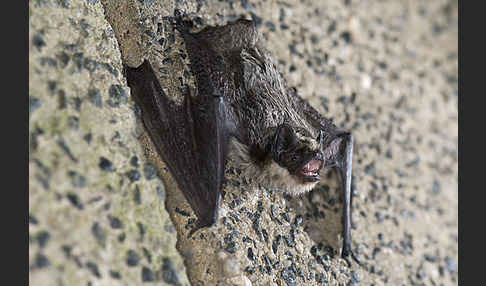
point(231, 266)
point(365, 81)
point(240, 280)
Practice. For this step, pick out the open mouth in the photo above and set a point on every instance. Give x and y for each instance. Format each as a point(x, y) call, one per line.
point(311, 169)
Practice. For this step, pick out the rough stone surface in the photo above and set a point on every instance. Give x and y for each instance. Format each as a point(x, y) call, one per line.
point(94, 219)
point(387, 71)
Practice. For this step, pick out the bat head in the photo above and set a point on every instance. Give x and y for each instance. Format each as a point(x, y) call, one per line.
point(301, 156)
point(291, 163)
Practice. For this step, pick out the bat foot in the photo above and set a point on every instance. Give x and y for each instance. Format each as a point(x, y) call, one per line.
point(346, 253)
point(200, 224)
point(189, 235)
point(182, 25)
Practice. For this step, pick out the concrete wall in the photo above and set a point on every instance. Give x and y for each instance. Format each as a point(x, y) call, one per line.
point(103, 209)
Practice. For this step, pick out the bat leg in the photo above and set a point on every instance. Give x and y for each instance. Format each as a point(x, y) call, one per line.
point(344, 165)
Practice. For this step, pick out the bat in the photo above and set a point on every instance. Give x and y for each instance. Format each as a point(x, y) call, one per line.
point(243, 108)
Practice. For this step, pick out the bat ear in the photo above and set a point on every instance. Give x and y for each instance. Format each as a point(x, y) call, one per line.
point(284, 138)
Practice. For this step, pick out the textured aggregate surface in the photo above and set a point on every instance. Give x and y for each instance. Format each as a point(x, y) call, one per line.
point(103, 210)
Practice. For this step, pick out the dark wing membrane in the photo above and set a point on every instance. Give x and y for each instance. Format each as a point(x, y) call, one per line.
point(223, 39)
point(190, 139)
point(339, 149)
point(214, 55)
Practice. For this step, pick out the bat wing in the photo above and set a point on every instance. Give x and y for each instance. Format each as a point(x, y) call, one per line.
point(190, 137)
point(339, 150)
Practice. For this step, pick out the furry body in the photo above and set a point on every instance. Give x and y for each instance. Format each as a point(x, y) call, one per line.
point(243, 107)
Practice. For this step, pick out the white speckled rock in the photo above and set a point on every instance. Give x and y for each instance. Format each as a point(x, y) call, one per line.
point(96, 205)
point(240, 280)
